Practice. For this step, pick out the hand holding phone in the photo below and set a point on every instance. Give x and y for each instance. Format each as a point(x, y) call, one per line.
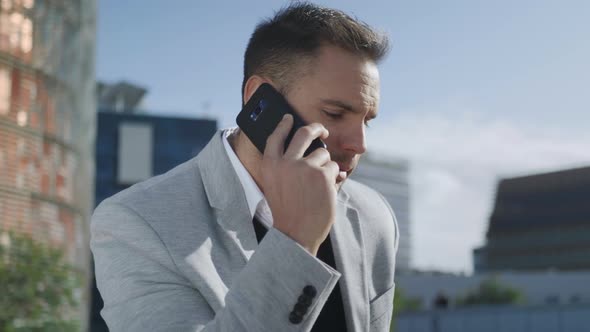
point(298, 177)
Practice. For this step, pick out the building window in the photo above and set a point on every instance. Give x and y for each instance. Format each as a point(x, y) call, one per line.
point(14, 29)
point(28, 3)
point(28, 92)
point(15, 4)
point(4, 238)
point(5, 91)
point(29, 101)
point(26, 35)
point(19, 30)
point(135, 153)
point(21, 118)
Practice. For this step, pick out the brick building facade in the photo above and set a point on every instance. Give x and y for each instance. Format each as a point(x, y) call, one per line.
point(47, 120)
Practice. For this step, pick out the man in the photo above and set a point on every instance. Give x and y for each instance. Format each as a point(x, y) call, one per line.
point(236, 240)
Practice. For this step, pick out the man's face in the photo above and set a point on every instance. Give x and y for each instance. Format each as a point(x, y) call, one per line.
point(340, 91)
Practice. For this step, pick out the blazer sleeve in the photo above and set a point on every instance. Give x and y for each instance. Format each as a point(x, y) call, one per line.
point(281, 288)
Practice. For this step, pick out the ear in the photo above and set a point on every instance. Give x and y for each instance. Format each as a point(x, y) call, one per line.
point(251, 86)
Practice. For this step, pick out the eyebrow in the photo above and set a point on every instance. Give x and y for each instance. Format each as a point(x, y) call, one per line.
point(345, 106)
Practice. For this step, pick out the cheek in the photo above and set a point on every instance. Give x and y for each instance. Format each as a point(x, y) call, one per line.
point(333, 141)
point(338, 131)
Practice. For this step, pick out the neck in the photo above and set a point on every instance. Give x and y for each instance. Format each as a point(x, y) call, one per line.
point(248, 154)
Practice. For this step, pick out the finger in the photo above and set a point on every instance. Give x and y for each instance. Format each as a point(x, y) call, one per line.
point(318, 158)
point(276, 141)
point(333, 170)
point(303, 138)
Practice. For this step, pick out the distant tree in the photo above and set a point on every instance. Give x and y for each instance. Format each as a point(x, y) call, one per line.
point(36, 286)
point(491, 292)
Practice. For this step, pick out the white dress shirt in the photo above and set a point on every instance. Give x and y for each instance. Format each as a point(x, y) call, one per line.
point(256, 201)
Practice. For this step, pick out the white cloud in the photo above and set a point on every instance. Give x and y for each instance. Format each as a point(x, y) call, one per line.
point(456, 159)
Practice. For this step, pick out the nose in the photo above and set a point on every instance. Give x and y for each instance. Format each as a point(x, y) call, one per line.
point(354, 140)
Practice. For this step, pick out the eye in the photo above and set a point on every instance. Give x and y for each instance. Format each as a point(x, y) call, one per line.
point(369, 119)
point(333, 115)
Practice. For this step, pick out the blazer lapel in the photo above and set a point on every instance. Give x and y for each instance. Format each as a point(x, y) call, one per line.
point(226, 195)
point(228, 250)
point(349, 248)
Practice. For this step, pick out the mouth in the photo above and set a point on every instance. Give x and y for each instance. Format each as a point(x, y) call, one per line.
point(345, 171)
point(345, 168)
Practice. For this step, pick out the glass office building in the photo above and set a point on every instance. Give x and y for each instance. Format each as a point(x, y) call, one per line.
point(134, 147)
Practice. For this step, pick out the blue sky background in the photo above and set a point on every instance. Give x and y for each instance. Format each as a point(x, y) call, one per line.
point(472, 91)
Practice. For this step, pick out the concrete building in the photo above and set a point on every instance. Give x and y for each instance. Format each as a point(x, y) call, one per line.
point(390, 178)
point(540, 222)
point(120, 97)
point(47, 119)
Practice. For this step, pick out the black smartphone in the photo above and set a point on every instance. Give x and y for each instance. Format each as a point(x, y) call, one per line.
point(263, 112)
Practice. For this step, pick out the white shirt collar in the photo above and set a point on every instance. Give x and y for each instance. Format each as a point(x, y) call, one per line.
point(257, 203)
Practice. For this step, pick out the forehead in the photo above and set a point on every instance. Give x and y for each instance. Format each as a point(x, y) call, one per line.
point(341, 75)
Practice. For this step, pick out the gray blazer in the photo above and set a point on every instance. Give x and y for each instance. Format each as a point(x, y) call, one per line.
point(178, 252)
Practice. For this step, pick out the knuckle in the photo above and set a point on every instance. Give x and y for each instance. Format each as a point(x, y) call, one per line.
point(324, 152)
point(334, 166)
point(318, 154)
point(313, 171)
point(319, 125)
point(271, 137)
point(327, 171)
point(320, 175)
point(306, 131)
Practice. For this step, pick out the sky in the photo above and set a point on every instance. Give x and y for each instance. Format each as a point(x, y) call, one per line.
point(471, 92)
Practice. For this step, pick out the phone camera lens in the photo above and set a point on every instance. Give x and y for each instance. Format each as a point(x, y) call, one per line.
point(261, 105)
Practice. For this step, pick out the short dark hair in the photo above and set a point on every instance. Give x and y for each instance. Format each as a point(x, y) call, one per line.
point(280, 45)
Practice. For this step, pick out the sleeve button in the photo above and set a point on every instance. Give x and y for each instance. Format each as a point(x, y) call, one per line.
point(305, 299)
point(300, 309)
point(310, 291)
point(295, 318)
